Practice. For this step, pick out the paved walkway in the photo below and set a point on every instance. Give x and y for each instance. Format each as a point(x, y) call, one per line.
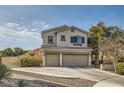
point(104, 78)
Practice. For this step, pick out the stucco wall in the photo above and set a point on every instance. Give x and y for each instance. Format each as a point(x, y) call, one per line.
point(57, 38)
point(68, 34)
point(45, 38)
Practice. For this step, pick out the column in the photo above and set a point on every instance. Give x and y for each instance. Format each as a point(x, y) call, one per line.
point(44, 60)
point(89, 64)
point(43, 56)
point(60, 59)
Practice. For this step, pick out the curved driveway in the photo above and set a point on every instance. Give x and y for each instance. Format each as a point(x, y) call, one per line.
point(104, 78)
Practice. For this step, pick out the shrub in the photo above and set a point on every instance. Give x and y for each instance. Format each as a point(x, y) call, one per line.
point(31, 53)
point(120, 68)
point(21, 83)
point(29, 61)
point(4, 71)
point(97, 66)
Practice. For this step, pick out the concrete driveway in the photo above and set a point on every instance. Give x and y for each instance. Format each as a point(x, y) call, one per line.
point(104, 78)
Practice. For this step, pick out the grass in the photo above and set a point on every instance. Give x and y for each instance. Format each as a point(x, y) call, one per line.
point(11, 62)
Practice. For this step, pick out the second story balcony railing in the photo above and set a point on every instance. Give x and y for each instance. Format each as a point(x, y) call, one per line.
point(59, 47)
point(48, 46)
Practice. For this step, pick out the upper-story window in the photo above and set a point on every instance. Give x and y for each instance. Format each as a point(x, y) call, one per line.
point(63, 38)
point(77, 39)
point(50, 39)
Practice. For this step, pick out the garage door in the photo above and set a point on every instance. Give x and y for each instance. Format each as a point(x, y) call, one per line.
point(75, 60)
point(52, 60)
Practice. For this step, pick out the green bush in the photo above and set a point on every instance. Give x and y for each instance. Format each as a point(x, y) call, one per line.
point(97, 66)
point(4, 71)
point(120, 68)
point(29, 61)
point(21, 83)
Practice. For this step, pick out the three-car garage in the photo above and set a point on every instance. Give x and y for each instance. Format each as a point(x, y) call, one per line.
point(66, 60)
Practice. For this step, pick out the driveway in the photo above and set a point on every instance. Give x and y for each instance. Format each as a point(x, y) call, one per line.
point(103, 78)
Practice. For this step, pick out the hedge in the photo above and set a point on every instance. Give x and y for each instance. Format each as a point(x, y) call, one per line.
point(120, 68)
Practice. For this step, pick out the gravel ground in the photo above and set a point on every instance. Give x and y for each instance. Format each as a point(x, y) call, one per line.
point(34, 80)
point(2, 84)
point(71, 82)
point(11, 82)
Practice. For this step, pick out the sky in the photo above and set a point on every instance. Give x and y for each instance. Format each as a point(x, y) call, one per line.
point(21, 26)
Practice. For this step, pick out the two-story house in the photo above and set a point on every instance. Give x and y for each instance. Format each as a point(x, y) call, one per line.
point(65, 46)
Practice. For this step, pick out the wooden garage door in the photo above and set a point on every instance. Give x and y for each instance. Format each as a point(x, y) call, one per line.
point(52, 60)
point(75, 60)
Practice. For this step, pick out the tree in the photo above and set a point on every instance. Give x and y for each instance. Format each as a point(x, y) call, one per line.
point(115, 44)
point(97, 39)
point(11, 52)
point(1, 53)
point(108, 41)
point(8, 52)
point(18, 51)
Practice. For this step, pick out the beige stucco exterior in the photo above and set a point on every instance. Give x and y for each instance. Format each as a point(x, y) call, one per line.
point(45, 38)
point(65, 53)
point(57, 38)
point(68, 34)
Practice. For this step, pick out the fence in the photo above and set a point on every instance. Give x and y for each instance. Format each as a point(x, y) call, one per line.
point(11, 62)
point(108, 67)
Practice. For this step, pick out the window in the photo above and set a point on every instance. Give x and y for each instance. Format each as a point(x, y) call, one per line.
point(73, 39)
point(62, 37)
point(77, 39)
point(50, 39)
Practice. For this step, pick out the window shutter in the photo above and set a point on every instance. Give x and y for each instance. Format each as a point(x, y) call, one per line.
point(82, 40)
point(72, 40)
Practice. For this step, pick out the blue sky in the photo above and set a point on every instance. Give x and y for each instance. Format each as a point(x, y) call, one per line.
point(20, 26)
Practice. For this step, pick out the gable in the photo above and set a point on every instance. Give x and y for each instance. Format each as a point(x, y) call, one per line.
point(64, 28)
point(71, 33)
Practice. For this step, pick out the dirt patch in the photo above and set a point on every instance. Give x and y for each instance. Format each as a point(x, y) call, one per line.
point(74, 82)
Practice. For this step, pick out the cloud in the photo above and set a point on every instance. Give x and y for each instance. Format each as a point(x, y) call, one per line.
point(21, 34)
